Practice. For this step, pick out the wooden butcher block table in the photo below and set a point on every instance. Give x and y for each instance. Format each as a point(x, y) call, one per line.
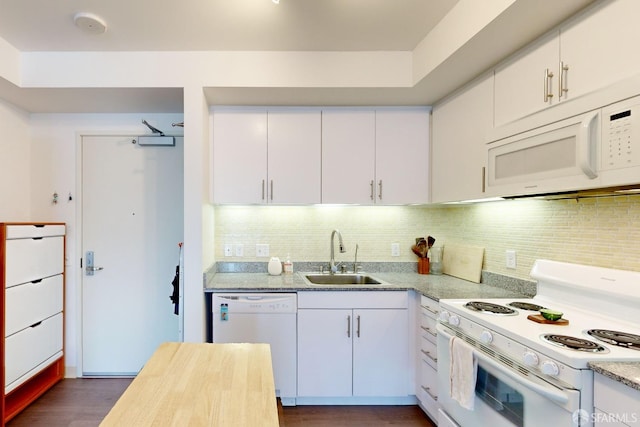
point(190, 384)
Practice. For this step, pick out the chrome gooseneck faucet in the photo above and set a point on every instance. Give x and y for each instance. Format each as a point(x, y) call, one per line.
point(332, 263)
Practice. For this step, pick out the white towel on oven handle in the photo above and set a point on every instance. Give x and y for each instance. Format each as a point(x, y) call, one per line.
point(463, 369)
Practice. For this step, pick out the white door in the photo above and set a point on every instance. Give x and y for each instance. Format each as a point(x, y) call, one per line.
point(132, 220)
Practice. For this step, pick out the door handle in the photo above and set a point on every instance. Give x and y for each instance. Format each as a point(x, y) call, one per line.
point(90, 268)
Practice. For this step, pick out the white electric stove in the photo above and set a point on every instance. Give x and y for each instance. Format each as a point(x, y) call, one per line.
point(601, 322)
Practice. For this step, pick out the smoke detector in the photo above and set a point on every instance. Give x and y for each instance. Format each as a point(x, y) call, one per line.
point(90, 23)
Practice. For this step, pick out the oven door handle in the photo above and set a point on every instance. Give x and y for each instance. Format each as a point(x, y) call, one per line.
point(556, 395)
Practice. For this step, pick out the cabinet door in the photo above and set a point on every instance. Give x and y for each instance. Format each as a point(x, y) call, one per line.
point(294, 156)
point(239, 156)
point(520, 83)
point(381, 352)
point(402, 156)
point(598, 46)
point(348, 156)
point(459, 129)
point(325, 353)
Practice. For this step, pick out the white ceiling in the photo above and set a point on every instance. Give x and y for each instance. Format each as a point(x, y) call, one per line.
point(253, 25)
point(172, 25)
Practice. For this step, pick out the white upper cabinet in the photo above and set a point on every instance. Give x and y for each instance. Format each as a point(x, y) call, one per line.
point(348, 156)
point(527, 82)
point(294, 156)
point(600, 46)
point(590, 51)
point(262, 156)
point(239, 156)
point(460, 124)
point(376, 156)
point(402, 156)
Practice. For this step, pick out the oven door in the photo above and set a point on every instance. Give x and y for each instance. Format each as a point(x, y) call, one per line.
point(505, 397)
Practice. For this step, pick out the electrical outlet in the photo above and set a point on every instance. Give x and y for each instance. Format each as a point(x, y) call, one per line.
point(262, 250)
point(239, 250)
point(228, 250)
point(395, 249)
point(511, 259)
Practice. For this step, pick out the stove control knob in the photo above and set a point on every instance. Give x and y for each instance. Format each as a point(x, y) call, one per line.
point(530, 358)
point(550, 368)
point(454, 320)
point(444, 316)
point(486, 337)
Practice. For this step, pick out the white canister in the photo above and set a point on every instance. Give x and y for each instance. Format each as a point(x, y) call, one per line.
point(275, 266)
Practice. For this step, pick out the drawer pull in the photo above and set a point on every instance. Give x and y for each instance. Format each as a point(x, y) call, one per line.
point(430, 310)
point(428, 391)
point(35, 325)
point(36, 281)
point(38, 225)
point(428, 330)
point(36, 238)
point(426, 353)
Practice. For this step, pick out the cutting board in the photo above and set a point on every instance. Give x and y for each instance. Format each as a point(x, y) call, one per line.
point(539, 319)
point(464, 262)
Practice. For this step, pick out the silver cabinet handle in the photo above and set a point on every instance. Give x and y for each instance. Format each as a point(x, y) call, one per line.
point(271, 190)
point(371, 185)
point(428, 391)
point(426, 353)
point(563, 88)
point(380, 191)
point(434, 312)
point(349, 326)
point(263, 189)
point(428, 330)
point(358, 330)
point(548, 75)
point(484, 185)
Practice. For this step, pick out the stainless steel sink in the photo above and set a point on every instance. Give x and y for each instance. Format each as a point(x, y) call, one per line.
point(341, 279)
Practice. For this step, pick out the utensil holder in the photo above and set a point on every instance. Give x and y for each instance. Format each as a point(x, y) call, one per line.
point(423, 265)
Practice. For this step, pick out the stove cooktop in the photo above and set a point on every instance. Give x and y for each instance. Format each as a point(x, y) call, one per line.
point(583, 343)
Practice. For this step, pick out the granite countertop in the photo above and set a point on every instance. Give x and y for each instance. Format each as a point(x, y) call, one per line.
point(628, 373)
point(433, 286)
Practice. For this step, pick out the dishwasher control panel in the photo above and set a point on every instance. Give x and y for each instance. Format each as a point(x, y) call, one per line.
point(227, 304)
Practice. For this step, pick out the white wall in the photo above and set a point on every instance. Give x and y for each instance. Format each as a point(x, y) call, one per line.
point(14, 164)
point(54, 168)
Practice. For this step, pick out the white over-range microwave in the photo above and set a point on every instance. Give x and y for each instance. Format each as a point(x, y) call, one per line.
point(594, 150)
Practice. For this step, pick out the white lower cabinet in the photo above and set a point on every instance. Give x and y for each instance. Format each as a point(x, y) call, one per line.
point(615, 403)
point(426, 386)
point(353, 345)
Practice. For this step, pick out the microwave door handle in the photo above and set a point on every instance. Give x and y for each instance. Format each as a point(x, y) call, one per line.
point(587, 145)
point(550, 392)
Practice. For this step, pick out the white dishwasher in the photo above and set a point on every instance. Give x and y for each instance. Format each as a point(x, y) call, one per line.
point(262, 318)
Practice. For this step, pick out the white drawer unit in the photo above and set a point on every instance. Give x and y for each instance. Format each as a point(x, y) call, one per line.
point(29, 303)
point(426, 387)
point(32, 272)
point(31, 259)
point(26, 350)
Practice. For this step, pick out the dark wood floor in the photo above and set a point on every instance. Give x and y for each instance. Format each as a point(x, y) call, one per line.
point(85, 402)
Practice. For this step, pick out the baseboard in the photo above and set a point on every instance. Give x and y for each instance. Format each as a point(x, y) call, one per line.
point(353, 400)
point(70, 372)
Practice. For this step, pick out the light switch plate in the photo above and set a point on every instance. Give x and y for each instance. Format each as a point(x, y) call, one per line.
point(395, 249)
point(511, 259)
point(228, 250)
point(262, 250)
point(239, 250)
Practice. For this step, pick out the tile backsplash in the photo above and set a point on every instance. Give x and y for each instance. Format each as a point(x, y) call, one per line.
point(596, 231)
